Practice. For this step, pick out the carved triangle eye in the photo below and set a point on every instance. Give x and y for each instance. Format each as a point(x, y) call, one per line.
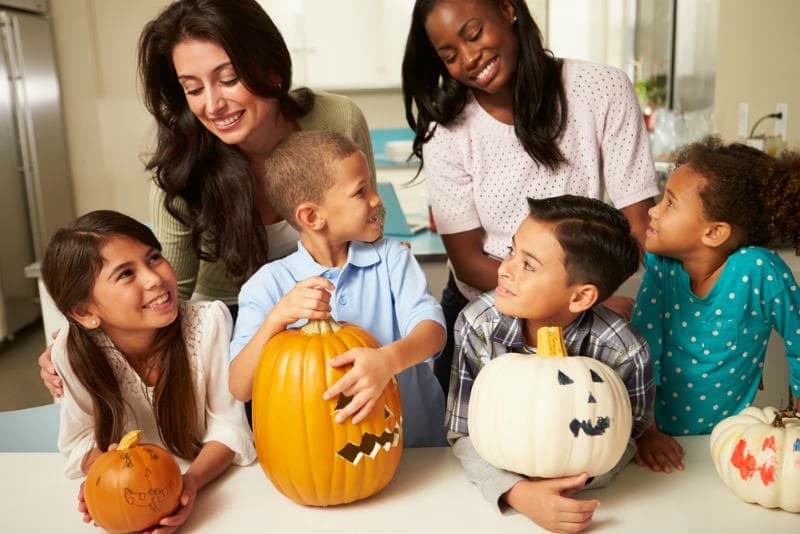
point(342, 401)
point(563, 379)
point(595, 376)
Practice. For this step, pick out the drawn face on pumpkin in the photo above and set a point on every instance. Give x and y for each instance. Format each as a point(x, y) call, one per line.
point(565, 379)
point(381, 431)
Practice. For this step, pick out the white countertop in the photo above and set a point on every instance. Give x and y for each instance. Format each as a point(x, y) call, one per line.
point(429, 493)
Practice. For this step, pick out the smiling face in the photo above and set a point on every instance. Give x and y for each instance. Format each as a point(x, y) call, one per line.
point(476, 42)
point(677, 223)
point(220, 100)
point(532, 282)
point(135, 290)
point(351, 207)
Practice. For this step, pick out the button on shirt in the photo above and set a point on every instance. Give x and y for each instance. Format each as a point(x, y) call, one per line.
point(482, 333)
point(709, 352)
point(382, 289)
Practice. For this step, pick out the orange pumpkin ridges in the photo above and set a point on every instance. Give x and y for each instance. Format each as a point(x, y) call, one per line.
point(307, 455)
point(132, 487)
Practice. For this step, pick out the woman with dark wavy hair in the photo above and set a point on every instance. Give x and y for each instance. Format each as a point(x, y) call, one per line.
point(498, 119)
point(216, 76)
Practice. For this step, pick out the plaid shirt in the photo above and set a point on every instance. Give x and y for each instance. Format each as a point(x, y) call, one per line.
point(483, 333)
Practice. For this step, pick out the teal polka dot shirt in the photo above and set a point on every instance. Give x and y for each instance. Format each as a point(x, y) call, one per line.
point(708, 353)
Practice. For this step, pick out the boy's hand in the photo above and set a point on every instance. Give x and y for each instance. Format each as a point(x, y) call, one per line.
point(546, 502)
point(309, 299)
point(364, 382)
point(658, 451)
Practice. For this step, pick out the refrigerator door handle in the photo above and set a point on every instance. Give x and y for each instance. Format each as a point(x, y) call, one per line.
point(9, 31)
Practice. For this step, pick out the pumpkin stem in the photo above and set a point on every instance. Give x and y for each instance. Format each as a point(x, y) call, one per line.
point(129, 440)
point(550, 342)
point(321, 326)
point(789, 413)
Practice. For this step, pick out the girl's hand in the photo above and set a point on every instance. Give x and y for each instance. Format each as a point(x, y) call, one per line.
point(658, 451)
point(173, 522)
point(48, 372)
point(309, 299)
point(364, 382)
point(82, 508)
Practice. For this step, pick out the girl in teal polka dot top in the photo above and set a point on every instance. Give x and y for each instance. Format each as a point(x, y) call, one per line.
point(710, 296)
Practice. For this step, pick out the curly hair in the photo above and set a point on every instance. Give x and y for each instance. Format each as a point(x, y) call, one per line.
point(540, 103)
point(596, 238)
point(752, 191)
point(189, 162)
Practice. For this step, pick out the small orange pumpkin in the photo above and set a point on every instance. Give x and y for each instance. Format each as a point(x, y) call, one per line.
point(307, 455)
point(132, 487)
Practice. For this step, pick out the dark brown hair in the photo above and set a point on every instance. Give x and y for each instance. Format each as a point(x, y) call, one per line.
point(596, 237)
point(301, 169)
point(540, 103)
point(756, 193)
point(190, 163)
point(70, 266)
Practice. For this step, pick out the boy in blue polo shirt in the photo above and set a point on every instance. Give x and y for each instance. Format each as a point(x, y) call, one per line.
point(319, 182)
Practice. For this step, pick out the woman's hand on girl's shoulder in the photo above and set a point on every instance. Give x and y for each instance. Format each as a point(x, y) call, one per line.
point(48, 372)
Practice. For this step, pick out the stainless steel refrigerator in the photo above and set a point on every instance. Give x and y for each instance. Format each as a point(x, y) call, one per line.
point(35, 185)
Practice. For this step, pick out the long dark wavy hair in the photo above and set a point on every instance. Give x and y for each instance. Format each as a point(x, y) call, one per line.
point(191, 163)
point(539, 106)
point(70, 267)
point(749, 189)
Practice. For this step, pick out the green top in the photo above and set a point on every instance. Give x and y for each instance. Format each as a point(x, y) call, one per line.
point(330, 112)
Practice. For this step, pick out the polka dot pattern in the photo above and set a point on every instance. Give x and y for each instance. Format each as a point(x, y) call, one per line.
point(478, 172)
point(709, 352)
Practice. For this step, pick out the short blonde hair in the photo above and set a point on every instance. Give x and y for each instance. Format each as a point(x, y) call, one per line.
point(301, 169)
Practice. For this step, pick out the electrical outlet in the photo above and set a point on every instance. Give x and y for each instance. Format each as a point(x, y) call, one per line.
point(742, 131)
point(780, 124)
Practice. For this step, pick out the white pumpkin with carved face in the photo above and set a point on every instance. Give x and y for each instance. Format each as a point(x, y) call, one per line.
point(549, 416)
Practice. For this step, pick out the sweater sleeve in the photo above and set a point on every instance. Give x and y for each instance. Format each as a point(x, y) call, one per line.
point(493, 482)
point(224, 415)
point(176, 241)
point(76, 430)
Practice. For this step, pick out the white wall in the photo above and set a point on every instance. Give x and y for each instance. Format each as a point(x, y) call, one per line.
point(758, 64)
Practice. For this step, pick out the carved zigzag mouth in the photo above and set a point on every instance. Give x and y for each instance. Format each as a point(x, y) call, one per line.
point(588, 428)
point(371, 444)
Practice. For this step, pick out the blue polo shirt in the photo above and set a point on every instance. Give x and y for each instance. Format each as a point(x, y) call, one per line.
point(382, 289)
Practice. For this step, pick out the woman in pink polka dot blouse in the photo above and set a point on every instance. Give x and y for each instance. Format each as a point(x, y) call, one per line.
point(499, 119)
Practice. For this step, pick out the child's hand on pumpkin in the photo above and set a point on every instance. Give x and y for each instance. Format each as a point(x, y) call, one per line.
point(658, 451)
point(309, 299)
point(82, 508)
point(364, 382)
point(173, 522)
point(546, 502)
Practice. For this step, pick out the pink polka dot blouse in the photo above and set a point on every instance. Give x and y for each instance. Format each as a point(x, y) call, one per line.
point(479, 174)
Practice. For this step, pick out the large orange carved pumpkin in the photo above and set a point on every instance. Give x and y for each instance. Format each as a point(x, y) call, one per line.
point(132, 487)
point(307, 455)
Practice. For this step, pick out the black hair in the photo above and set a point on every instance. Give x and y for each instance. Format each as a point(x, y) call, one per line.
point(190, 163)
point(539, 106)
point(756, 193)
point(596, 237)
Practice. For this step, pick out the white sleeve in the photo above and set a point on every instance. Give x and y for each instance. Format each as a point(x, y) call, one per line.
point(76, 432)
point(224, 415)
point(449, 183)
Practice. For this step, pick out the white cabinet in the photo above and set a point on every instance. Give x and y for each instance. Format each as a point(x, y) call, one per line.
point(343, 44)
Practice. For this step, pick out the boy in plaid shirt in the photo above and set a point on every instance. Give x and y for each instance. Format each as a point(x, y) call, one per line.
point(568, 255)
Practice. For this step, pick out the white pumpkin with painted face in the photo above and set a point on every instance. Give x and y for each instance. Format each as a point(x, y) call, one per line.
point(546, 416)
point(757, 455)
